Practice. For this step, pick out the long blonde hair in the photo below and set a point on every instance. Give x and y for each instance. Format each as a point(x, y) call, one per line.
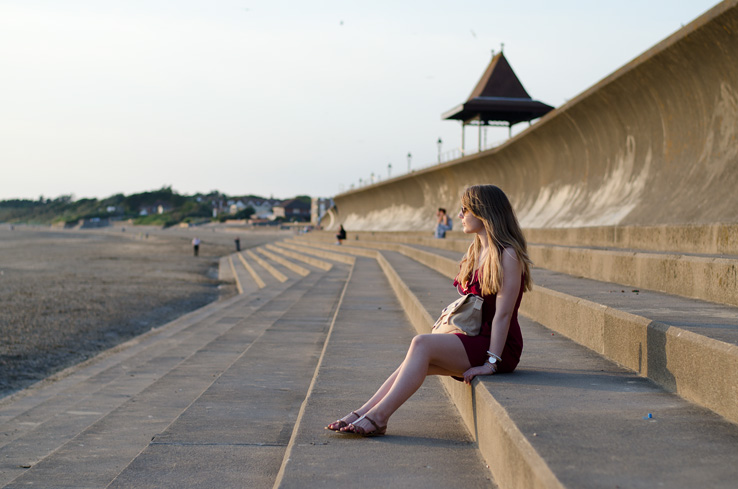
point(489, 204)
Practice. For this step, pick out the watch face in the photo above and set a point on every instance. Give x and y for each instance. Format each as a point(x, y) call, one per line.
point(492, 360)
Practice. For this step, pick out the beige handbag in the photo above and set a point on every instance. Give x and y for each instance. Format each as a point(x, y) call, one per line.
point(463, 315)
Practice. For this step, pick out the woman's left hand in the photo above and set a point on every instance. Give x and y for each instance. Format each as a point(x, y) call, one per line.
point(474, 371)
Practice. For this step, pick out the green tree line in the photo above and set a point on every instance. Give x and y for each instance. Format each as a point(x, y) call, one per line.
point(65, 209)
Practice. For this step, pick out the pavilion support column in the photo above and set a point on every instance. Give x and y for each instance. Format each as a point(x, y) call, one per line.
point(479, 138)
point(463, 145)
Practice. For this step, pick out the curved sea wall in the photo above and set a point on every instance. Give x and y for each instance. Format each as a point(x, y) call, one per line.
point(654, 143)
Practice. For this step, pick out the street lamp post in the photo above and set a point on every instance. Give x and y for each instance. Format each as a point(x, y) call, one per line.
point(439, 143)
point(409, 160)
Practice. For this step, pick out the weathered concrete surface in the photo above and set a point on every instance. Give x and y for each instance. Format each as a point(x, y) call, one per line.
point(569, 418)
point(369, 339)
point(654, 143)
point(708, 278)
point(685, 345)
point(708, 239)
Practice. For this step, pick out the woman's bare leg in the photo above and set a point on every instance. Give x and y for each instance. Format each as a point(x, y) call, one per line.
point(381, 392)
point(428, 355)
point(378, 396)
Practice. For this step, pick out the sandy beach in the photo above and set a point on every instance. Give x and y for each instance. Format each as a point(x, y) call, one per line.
point(65, 296)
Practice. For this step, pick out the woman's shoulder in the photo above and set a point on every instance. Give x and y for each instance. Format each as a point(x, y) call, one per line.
point(509, 255)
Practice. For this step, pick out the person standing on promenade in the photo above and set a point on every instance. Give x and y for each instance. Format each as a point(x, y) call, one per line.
point(196, 245)
point(238, 243)
point(496, 267)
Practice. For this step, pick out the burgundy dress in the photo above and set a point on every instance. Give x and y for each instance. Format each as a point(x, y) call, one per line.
point(476, 346)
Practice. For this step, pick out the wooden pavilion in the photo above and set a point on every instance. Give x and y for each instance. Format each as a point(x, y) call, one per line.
point(499, 99)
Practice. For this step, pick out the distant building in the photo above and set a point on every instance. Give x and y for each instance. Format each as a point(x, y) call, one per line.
point(293, 210)
point(158, 208)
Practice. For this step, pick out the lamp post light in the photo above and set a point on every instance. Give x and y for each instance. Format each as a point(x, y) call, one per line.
point(409, 160)
point(389, 170)
point(439, 143)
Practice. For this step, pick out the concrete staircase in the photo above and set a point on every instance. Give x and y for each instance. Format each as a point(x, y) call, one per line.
point(619, 385)
point(236, 394)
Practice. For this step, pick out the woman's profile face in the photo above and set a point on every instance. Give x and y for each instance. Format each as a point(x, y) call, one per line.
point(470, 223)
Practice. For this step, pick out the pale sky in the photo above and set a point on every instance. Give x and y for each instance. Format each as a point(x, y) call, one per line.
point(279, 97)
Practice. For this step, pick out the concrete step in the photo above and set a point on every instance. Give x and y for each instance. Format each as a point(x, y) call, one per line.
point(279, 259)
point(273, 273)
point(243, 274)
point(368, 340)
point(680, 239)
point(570, 418)
point(707, 277)
point(120, 370)
point(712, 239)
point(321, 253)
point(82, 425)
point(248, 416)
point(301, 257)
point(256, 263)
point(686, 345)
point(250, 272)
point(235, 433)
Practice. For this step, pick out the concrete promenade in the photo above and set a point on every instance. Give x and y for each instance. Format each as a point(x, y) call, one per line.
point(615, 389)
point(237, 394)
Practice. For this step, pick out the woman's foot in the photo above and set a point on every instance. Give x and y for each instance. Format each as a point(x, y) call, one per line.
point(365, 426)
point(343, 422)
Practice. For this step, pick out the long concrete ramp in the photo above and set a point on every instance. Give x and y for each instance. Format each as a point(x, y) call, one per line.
point(656, 142)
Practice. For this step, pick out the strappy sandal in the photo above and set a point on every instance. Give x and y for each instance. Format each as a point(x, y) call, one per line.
point(341, 423)
point(377, 431)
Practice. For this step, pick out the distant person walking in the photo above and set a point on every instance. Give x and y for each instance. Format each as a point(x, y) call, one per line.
point(196, 245)
point(238, 243)
point(341, 235)
point(443, 223)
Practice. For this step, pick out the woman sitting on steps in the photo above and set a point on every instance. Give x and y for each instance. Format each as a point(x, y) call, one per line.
point(496, 267)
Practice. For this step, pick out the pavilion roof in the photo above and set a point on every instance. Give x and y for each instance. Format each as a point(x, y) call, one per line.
point(498, 96)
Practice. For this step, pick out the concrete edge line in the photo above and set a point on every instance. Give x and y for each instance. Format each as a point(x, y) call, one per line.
point(323, 265)
point(454, 241)
point(302, 271)
point(235, 276)
point(273, 271)
point(302, 248)
point(303, 405)
point(688, 238)
point(706, 278)
point(259, 282)
point(349, 249)
point(503, 441)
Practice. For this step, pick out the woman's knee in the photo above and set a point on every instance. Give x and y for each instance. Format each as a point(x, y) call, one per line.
point(420, 343)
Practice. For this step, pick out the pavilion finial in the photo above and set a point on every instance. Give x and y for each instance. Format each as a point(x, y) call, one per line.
point(502, 46)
